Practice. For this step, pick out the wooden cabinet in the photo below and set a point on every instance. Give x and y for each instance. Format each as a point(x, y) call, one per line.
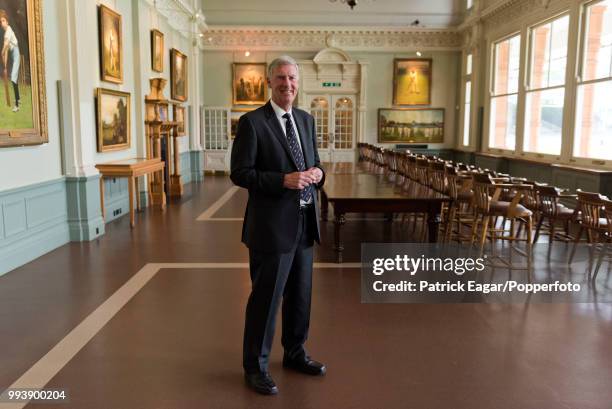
point(162, 136)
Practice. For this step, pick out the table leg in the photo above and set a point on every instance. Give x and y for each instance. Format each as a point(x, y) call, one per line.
point(338, 222)
point(137, 194)
point(433, 222)
point(102, 197)
point(131, 183)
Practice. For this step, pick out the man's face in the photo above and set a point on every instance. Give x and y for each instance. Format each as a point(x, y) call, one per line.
point(3, 23)
point(284, 85)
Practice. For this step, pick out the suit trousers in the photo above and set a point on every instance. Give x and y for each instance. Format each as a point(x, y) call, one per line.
point(276, 276)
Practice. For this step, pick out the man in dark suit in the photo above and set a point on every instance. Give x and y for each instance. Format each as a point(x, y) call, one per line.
point(275, 157)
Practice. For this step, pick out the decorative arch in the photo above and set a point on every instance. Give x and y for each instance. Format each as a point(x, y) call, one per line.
point(332, 55)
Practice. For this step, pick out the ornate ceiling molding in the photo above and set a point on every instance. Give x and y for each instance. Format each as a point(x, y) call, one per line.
point(181, 16)
point(314, 39)
point(501, 13)
point(520, 9)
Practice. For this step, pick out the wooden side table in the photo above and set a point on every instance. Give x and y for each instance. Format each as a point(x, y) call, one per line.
point(131, 169)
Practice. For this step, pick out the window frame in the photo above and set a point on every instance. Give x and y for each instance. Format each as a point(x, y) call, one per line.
point(492, 77)
point(465, 77)
point(578, 81)
point(529, 89)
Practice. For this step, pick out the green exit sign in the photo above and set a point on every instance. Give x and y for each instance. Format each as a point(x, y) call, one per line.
point(331, 84)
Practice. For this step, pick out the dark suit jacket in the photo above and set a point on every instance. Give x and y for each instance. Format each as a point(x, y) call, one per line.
point(260, 160)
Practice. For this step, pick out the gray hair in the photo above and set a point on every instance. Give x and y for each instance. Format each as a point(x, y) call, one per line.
point(282, 60)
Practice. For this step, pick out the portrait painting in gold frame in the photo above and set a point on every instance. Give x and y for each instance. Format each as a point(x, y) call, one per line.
point(249, 86)
point(412, 81)
point(111, 45)
point(23, 100)
point(178, 75)
point(157, 50)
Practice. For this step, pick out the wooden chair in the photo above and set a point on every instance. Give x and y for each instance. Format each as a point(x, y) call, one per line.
point(436, 177)
point(550, 209)
point(607, 242)
point(401, 175)
point(487, 206)
point(460, 213)
point(390, 161)
point(422, 166)
point(590, 220)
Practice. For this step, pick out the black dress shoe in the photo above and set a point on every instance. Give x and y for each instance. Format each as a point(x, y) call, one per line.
point(261, 382)
point(305, 365)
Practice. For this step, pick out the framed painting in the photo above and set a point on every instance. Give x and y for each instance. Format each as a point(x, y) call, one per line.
point(179, 116)
point(412, 81)
point(249, 85)
point(23, 100)
point(113, 120)
point(111, 45)
point(178, 75)
point(403, 125)
point(157, 50)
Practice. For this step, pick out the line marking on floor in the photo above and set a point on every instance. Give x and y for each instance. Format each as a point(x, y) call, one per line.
point(208, 213)
point(53, 361)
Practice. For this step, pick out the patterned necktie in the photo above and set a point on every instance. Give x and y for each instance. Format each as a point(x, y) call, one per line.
point(298, 157)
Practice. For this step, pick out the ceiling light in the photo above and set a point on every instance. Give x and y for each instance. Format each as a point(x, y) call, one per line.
point(247, 53)
point(418, 53)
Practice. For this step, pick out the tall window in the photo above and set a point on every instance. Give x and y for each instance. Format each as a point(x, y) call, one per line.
point(504, 95)
point(469, 4)
point(546, 87)
point(467, 100)
point(593, 134)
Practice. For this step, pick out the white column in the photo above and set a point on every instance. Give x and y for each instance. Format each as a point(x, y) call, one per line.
point(81, 70)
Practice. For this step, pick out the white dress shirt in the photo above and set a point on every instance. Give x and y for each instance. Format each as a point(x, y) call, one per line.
point(283, 123)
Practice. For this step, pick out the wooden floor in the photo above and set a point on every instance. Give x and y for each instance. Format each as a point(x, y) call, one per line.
point(171, 337)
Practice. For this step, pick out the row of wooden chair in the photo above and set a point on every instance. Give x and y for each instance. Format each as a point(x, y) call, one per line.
point(480, 198)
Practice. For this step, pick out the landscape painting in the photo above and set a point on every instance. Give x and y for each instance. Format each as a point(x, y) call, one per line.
point(411, 125)
point(113, 109)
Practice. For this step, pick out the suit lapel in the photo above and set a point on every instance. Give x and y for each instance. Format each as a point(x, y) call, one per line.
point(303, 139)
point(278, 131)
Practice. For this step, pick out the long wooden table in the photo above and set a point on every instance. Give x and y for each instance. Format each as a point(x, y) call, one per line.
point(131, 169)
point(356, 192)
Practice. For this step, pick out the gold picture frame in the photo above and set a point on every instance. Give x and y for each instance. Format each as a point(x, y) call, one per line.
point(157, 50)
point(405, 125)
point(113, 120)
point(412, 81)
point(178, 114)
point(26, 125)
point(249, 84)
point(111, 45)
point(178, 75)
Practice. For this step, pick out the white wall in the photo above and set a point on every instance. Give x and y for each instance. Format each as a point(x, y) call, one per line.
point(217, 70)
point(21, 166)
point(72, 56)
